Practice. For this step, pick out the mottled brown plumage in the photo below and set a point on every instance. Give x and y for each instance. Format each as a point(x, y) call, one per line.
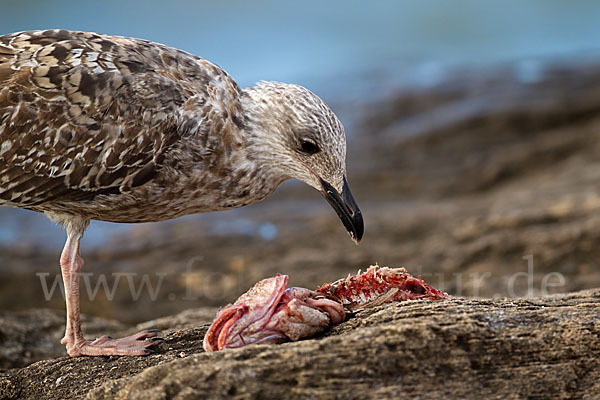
point(125, 130)
point(112, 128)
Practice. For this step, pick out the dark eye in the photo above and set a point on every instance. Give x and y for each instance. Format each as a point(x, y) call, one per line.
point(309, 147)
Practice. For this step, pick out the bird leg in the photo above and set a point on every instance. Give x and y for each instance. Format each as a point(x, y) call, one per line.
point(71, 264)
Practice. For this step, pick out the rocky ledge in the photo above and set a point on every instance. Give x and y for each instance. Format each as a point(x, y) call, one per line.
point(543, 347)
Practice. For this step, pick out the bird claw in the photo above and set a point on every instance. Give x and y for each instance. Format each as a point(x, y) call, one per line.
point(134, 345)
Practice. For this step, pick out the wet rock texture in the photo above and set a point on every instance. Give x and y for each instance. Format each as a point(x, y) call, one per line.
point(458, 348)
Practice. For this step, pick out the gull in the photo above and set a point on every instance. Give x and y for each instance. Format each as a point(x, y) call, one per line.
point(98, 127)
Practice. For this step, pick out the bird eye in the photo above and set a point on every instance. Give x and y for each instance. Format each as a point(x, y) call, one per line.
point(309, 147)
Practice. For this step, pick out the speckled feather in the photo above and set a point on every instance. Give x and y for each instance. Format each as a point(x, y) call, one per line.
point(126, 130)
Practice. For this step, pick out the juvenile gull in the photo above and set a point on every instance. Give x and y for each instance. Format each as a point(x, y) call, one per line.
point(126, 130)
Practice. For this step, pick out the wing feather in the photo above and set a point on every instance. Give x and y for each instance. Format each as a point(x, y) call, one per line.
point(83, 114)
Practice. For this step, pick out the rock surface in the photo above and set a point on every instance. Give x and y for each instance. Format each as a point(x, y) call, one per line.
point(458, 183)
point(544, 347)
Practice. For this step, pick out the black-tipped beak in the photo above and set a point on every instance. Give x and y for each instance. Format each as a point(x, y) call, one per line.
point(346, 208)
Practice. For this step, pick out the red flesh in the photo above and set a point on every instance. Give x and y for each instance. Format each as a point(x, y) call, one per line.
point(269, 313)
point(357, 291)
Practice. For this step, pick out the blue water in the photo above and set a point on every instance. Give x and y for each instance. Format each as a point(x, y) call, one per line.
point(314, 42)
point(333, 47)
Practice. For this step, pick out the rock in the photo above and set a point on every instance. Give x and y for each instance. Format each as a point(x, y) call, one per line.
point(33, 335)
point(28, 336)
point(466, 177)
point(458, 183)
point(457, 348)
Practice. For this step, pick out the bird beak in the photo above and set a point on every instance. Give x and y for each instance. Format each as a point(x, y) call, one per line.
point(346, 208)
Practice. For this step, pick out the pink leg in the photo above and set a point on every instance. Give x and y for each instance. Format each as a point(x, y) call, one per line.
point(71, 264)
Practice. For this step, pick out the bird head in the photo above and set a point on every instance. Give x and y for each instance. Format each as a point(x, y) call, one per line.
point(298, 136)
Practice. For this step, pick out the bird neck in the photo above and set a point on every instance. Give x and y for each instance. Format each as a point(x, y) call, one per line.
point(265, 134)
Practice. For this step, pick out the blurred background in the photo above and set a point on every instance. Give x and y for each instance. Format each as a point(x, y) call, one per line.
point(473, 150)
